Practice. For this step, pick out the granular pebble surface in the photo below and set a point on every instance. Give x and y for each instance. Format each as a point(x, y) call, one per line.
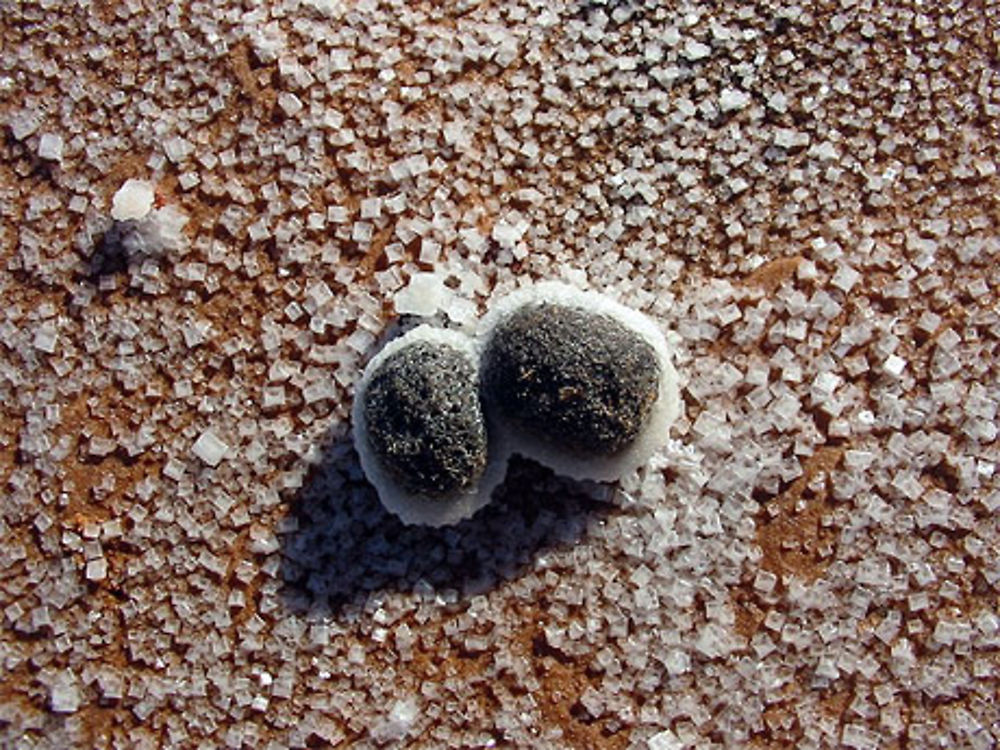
point(579, 380)
point(424, 420)
point(801, 196)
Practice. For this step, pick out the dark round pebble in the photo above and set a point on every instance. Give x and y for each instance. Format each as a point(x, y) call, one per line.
point(425, 422)
point(578, 380)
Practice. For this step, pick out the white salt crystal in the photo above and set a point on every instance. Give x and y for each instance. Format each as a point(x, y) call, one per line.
point(318, 295)
point(46, 338)
point(417, 164)
point(430, 251)
point(507, 235)
point(858, 737)
point(178, 149)
point(97, 570)
point(65, 694)
point(50, 147)
point(694, 50)
point(929, 322)
point(290, 104)
point(326, 7)
point(134, 200)
point(371, 208)
point(845, 278)
point(665, 740)
point(824, 385)
point(24, 123)
point(209, 448)
point(894, 365)
point(425, 295)
point(778, 102)
point(397, 724)
point(731, 100)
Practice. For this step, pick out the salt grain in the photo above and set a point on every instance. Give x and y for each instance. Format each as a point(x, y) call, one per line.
point(50, 147)
point(209, 448)
point(134, 200)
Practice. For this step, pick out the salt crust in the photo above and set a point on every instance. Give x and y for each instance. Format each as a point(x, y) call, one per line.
point(420, 509)
point(656, 601)
point(665, 410)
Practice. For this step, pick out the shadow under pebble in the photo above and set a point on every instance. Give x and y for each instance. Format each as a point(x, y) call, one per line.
point(341, 545)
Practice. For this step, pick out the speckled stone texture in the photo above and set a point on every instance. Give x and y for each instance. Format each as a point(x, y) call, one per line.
point(424, 419)
point(579, 380)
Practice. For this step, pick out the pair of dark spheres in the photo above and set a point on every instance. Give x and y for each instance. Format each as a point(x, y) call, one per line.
point(580, 381)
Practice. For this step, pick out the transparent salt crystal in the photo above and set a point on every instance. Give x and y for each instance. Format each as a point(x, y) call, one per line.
point(209, 448)
point(97, 570)
point(50, 147)
point(65, 696)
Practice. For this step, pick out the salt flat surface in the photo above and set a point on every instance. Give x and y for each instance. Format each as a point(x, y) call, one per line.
point(802, 197)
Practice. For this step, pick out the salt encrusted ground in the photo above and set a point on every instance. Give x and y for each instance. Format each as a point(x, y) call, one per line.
point(804, 195)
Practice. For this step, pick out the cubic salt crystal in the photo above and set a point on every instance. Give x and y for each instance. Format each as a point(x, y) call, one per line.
point(845, 278)
point(97, 570)
point(318, 295)
point(134, 200)
point(65, 696)
point(209, 448)
point(894, 365)
point(46, 337)
point(290, 104)
point(326, 7)
point(371, 208)
point(50, 147)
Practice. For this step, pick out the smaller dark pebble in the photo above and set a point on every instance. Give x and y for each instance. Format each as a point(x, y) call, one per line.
point(425, 422)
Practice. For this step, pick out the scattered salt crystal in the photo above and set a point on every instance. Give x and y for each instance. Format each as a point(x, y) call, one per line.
point(371, 208)
point(398, 723)
point(209, 448)
point(823, 386)
point(695, 50)
point(97, 570)
point(506, 234)
point(290, 104)
point(134, 200)
point(317, 295)
point(894, 365)
point(731, 100)
point(65, 696)
point(24, 123)
point(845, 278)
point(928, 322)
point(178, 149)
point(46, 337)
point(665, 740)
point(50, 147)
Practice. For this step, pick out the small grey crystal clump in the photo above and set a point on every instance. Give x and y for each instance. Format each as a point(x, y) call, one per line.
point(573, 378)
point(424, 420)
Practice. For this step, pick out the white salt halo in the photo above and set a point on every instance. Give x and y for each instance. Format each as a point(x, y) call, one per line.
point(134, 200)
point(653, 435)
point(420, 509)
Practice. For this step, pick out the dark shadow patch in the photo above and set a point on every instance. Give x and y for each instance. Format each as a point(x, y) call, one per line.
point(343, 546)
point(111, 252)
